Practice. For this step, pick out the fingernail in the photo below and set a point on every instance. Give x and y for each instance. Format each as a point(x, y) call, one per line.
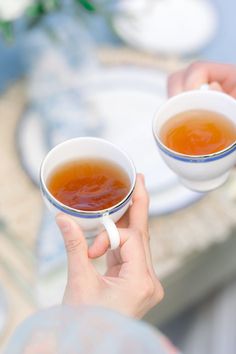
point(63, 224)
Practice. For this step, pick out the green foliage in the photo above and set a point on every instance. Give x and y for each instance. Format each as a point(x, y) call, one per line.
point(37, 10)
point(87, 5)
point(6, 28)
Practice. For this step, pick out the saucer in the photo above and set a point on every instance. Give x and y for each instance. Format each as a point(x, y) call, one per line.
point(177, 27)
point(124, 100)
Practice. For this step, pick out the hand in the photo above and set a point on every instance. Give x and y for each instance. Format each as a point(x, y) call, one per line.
point(221, 77)
point(130, 285)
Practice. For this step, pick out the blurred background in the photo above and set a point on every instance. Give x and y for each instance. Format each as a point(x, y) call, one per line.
point(81, 67)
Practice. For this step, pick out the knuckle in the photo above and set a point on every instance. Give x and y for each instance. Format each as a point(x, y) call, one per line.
point(72, 245)
point(159, 292)
point(148, 288)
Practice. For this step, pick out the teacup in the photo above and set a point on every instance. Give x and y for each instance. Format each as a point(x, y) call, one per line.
point(91, 222)
point(200, 173)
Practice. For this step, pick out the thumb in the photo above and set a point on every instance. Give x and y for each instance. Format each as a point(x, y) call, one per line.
point(76, 246)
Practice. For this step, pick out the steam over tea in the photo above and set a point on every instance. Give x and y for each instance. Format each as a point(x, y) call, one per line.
point(89, 184)
point(198, 132)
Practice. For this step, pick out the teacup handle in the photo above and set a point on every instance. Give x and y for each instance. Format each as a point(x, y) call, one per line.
point(205, 87)
point(112, 231)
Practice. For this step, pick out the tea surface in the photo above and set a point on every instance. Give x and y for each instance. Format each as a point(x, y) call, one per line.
point(89, 184)
point(198, 132)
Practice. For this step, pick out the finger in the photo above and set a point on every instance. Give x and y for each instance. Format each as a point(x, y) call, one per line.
point(123, 223)
point(200, 73)
point(175, 83)
point(224, 74)
point(215, 86)
point(100, 245)
point(133, 252)
point(138, 219)
point(76, 246)
point(140, 200)
point(138, 213)
point(113, 258)
point(195, 76)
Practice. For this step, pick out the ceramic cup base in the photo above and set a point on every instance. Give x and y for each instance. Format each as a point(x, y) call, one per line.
point(205, 186)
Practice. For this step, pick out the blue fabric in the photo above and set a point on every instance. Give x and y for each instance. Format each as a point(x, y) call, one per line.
point(83, 330)
point(11, 63)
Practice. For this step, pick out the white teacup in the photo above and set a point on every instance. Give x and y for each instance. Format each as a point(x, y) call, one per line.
point(203, 172)
point(91, 222)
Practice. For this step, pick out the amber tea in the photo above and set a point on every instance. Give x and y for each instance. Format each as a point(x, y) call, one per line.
point(198, 132)
point(89, 184)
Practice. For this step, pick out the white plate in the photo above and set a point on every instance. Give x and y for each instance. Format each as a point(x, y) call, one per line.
point(125, 99)
point(167, 26)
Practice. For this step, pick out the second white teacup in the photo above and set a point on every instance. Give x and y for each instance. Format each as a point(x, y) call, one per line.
point(91, 222)
point(202, 172)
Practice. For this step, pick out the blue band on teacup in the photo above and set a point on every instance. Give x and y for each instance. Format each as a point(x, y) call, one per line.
point(198, 159)
point(84, 214)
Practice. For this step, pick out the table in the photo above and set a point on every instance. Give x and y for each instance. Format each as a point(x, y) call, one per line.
point(192, 249)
